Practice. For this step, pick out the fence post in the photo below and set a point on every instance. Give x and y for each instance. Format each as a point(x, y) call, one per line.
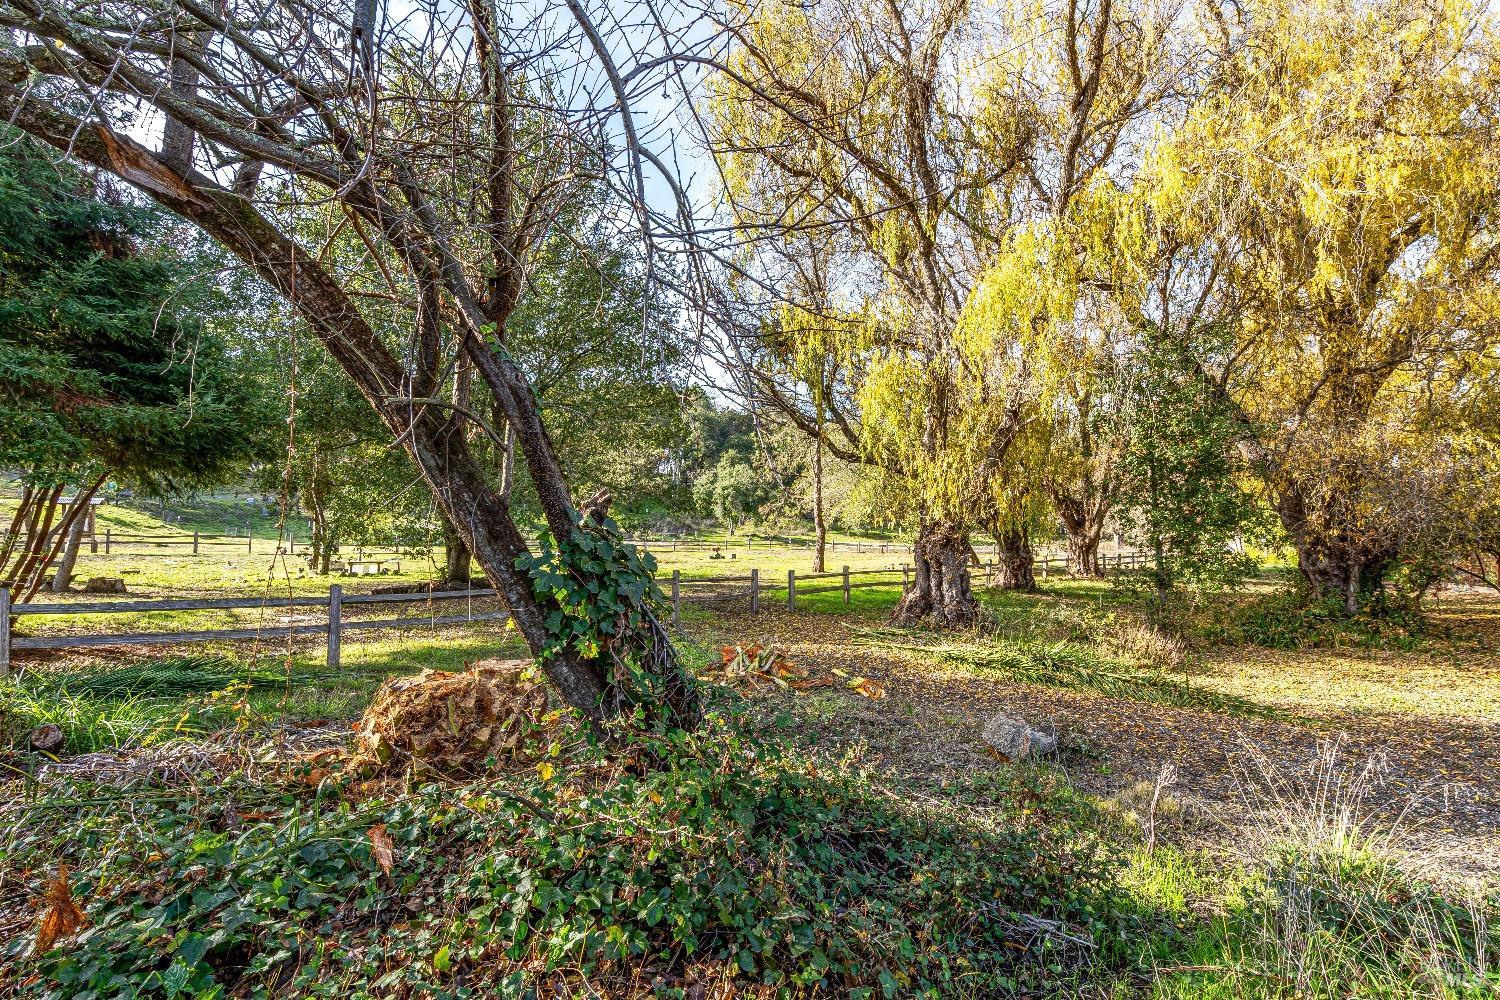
point(677, 598)
point(4, 631)
point(249, 541)
point(106, 541)
point(905, 582)
point(1046, 562)
point(93, 545)
point(846, 584)
point(755, 591)
point(791, 590)
point(195, 543)
point(335, 621)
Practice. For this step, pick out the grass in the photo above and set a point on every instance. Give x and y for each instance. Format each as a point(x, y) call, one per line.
point(1316, 898)
point(1321, 906)
point(120, 706)
point(1061, 664)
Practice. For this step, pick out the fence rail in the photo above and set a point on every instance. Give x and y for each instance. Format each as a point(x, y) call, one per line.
point(109, 540)
point(334, 625)
point(737, 587)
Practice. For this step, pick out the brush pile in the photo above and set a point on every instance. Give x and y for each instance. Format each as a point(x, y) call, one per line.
point(441, 724)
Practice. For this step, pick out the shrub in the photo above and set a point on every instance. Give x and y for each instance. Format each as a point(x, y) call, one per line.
point(1293, 620)
point(734, 859)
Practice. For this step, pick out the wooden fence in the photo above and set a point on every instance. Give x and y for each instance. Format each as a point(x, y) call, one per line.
point(110, 541)
point(748, 587)
point(333, 626)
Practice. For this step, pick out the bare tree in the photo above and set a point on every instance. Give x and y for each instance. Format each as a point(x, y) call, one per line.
point(446, 139)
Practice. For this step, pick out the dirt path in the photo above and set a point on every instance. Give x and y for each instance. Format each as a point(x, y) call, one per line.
point(1440, 776)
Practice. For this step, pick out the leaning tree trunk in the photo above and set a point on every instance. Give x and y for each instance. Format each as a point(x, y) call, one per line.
point(62, 579)
point(1014, 562)
point(941, 589)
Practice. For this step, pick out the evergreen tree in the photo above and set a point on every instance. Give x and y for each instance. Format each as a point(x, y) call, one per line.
point(107, 368)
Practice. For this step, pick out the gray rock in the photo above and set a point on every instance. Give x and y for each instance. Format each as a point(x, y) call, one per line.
point(47, 739)
point(1014, 740)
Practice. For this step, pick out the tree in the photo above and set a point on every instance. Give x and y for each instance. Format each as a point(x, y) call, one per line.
point(846, 136)
point(264, 122)
point(109, 367)
point(731, 492)
point(333, 460)
point(1328, 201)
point(1178, 469)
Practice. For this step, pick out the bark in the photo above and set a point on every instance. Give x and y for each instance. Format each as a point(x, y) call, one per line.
point(63, 577)
point(1083, 555)
point(820, 525)
point(1014, 559)
point(941, 587)
point(457, 560)
point(1343, 565)
point(1084, 523)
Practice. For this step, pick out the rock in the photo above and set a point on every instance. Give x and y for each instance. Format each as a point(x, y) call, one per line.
point(1013, 740)
point(47, 739)
point(105, 585)
point(450, 724)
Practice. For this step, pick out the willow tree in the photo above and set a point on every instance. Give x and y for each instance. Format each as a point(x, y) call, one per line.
point(267, 112)
point(857, 121)
point(1326, 247)
point(1105, 77)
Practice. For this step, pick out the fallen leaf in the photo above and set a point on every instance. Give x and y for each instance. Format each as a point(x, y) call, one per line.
point(61, 917)
point(382, 848)
point(867, 687)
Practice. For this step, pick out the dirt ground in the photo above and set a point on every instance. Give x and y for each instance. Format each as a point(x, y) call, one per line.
point(1418, 727)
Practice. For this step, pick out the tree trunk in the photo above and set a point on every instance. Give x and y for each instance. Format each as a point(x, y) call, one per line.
point(820, 526)
point(63, 578)
point(1083, 555)
point(457, 560)
point(1014, 560)
point(1333, 564)
point(1332, 575)
point(941, 590)
point(433, 438)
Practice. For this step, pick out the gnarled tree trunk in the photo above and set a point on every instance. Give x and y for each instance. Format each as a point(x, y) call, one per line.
point(1341, 565)
point(1083, 555)
point(1014, 565)
point(941, 589)
point(1084, 523)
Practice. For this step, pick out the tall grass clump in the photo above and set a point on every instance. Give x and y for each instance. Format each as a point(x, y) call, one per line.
point(1332, 908)
point(140, 704)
